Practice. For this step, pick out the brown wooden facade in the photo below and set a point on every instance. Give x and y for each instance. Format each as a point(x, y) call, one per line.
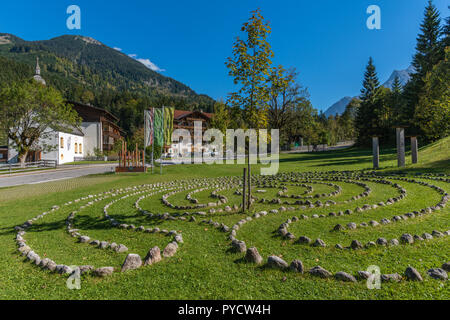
point(185, 120)
point(111, 132)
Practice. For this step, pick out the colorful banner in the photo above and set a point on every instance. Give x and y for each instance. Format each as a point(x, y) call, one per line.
point(158, 126)
point(148, 118)
point(168, 124)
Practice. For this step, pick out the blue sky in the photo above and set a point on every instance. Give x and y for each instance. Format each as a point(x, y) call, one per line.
point(326, 40)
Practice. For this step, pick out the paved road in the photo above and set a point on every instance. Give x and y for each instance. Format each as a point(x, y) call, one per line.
point(53, 175)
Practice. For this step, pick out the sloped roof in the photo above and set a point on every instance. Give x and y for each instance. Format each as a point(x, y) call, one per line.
point(81, 107)
point(179, 114)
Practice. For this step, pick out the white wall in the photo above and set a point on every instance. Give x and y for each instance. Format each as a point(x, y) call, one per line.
point(92, 137)
point(66, 152)
point(61, 155)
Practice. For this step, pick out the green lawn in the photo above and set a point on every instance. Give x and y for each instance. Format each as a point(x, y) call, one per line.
point(204, 267)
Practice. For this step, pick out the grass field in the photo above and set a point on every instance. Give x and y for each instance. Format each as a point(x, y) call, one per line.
point(204, 267)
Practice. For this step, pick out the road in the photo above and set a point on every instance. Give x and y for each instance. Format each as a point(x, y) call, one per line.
point(53, 175)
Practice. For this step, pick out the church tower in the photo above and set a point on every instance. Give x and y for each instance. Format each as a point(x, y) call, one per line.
point(37, 75)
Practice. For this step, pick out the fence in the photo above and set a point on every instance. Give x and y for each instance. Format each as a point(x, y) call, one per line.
point(322, 147)
point(27, 166)
point(104, 158)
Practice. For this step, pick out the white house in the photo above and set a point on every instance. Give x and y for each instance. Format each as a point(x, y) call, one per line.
point(66, 146)
point(98, 133)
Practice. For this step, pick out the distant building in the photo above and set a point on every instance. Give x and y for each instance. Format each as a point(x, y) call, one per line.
point(185, 120)
point(99, 127)
point(98, 131)
point(37, 75)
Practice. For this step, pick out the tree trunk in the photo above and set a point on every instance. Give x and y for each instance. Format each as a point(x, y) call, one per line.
point(23, 158)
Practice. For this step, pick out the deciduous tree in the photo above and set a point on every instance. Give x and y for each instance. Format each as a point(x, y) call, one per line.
point(28, 110)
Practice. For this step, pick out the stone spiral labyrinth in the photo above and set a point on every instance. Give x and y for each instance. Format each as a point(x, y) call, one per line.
point(298, 221)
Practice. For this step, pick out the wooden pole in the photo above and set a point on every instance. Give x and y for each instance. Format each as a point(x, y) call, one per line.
point(126, 155)
point(121, 156)
point(244, 187)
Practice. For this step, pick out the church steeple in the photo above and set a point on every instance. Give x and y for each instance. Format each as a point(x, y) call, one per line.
point(37, 75)
point(38, 69)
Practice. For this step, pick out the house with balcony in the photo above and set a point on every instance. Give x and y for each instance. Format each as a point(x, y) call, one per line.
point(185, 120)
point(99, 127)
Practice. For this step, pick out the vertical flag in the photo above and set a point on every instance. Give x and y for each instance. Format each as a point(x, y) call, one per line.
point(148, 118)
point(158, 127)
point(168, 125)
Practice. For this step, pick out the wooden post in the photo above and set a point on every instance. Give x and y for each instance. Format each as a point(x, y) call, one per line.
point(414, 150)
point(376, 152)
point(244, 187)
point(136, 155)
point(126, 154)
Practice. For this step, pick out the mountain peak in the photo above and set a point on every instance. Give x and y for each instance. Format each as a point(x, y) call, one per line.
point(71, 60)
point(338, 107)
point(403, 75)
point(6, 38)
point(89, 40)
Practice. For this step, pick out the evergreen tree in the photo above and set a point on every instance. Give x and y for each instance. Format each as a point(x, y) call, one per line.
point(397, 103)
point(366, 117)
point(446, 31)
point(397, 86)
point(370, 83)
point(433, 110)
point(429, 51)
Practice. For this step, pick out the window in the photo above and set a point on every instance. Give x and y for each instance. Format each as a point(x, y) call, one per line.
point(61, 142)
point(76, 147)
point(80, 149)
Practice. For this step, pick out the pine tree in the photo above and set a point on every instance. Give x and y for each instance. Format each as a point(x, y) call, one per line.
point(366, 117)
point(429, 51)
point(370, 83)
point(397, 104)
point(433, 110)
point(397, 86)
point(446, 31)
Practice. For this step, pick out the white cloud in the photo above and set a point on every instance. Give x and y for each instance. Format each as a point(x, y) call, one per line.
point(132, 55)
point(118, 49)
point(150, 65)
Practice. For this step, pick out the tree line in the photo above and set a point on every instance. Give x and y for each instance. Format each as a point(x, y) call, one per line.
point(422, 106)
point(271, 97)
